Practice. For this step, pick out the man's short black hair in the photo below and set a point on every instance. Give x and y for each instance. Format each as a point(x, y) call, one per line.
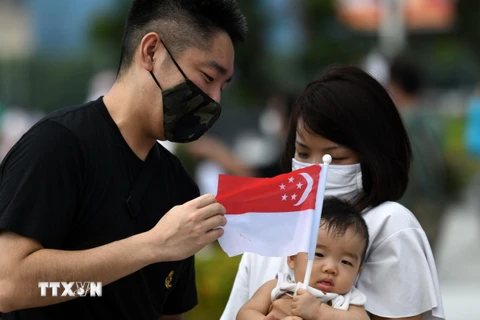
point(181, 24)
point(339, 216)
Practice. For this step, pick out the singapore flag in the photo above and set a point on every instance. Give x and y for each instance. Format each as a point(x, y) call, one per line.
point(270, 216)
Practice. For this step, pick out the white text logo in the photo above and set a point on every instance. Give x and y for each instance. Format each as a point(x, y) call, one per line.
point(71, 289)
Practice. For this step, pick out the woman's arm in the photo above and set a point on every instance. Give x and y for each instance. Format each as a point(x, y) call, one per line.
point(284, 307)
point(239, 294)
point(353, 313)
point(308, 307)
point(257, 306)
point(374, 317)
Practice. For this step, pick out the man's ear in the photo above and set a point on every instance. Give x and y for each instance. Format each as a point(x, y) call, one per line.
point(291, 262)
point(150, 49)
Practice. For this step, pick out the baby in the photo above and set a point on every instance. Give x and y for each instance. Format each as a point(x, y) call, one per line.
point(341, 246)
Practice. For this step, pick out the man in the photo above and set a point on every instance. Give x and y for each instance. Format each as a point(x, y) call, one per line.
point(88, 195)
point(426, 195)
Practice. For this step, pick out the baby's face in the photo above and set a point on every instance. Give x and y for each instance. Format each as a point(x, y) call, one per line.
point(337, 262)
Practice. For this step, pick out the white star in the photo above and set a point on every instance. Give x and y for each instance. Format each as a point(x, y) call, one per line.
point(284, 197)
point(299, 185)
point(282, 187)
point(290, 180)
point(294, 196)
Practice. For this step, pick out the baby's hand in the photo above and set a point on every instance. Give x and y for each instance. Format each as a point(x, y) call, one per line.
point(305, 305)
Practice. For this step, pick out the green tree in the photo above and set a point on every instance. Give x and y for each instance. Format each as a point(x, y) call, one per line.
point(467, 27)
point(106, 34)
point(329, 41)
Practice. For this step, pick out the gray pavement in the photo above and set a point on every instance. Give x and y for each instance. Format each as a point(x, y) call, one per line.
point(458, 258)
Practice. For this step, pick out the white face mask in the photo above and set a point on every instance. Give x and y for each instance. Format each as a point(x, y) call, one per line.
point(343, 181)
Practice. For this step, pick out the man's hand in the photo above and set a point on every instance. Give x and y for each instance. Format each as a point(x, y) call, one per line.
point(305, 305)
point(187, 228)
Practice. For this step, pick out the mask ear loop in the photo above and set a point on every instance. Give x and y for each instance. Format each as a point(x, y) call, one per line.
point(175, 62)
point(155, 79)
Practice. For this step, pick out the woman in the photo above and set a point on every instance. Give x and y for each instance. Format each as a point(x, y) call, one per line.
point(349, 115)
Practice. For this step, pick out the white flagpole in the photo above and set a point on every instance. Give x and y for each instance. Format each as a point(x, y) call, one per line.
point(327, 159)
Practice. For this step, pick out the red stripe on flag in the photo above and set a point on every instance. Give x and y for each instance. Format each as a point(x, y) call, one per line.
point(294, 191)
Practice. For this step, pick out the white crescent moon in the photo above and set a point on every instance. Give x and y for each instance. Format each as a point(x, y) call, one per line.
point(308, 189)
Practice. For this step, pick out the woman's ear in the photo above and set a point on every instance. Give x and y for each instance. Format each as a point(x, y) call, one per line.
point(360, 269)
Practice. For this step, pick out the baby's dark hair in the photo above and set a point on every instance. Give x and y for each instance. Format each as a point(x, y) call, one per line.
point(339, 216)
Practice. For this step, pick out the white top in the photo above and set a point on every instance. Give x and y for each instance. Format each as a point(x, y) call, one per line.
point(286, 285)
point(399, 276)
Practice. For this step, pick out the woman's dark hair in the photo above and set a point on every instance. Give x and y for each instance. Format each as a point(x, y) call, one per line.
point(349, 107)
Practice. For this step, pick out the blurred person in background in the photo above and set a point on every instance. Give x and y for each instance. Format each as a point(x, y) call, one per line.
point(346, 113)
point(472, 125)
point(100, 84)
point(88, 195)
point(2, 131)
point(426, 193)
point(216, 157)
point(472, 140)
point(15, 122)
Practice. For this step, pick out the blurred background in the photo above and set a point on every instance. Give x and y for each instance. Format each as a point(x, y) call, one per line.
point(426, 52)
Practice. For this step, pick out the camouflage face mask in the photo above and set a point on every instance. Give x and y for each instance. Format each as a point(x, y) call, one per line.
point(188, 112)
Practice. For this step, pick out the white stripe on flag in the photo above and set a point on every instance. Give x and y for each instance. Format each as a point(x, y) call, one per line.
point(267, 234)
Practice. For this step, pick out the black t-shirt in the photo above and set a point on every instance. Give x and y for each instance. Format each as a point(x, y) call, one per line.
point(66, 184)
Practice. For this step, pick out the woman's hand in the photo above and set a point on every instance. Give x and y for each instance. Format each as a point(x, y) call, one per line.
point(281, 309)
point(306, 306)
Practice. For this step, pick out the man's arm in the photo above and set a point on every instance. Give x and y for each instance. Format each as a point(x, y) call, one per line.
point(172, 317)
point(182, 231)
point(25, 262)
point(257, 306)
